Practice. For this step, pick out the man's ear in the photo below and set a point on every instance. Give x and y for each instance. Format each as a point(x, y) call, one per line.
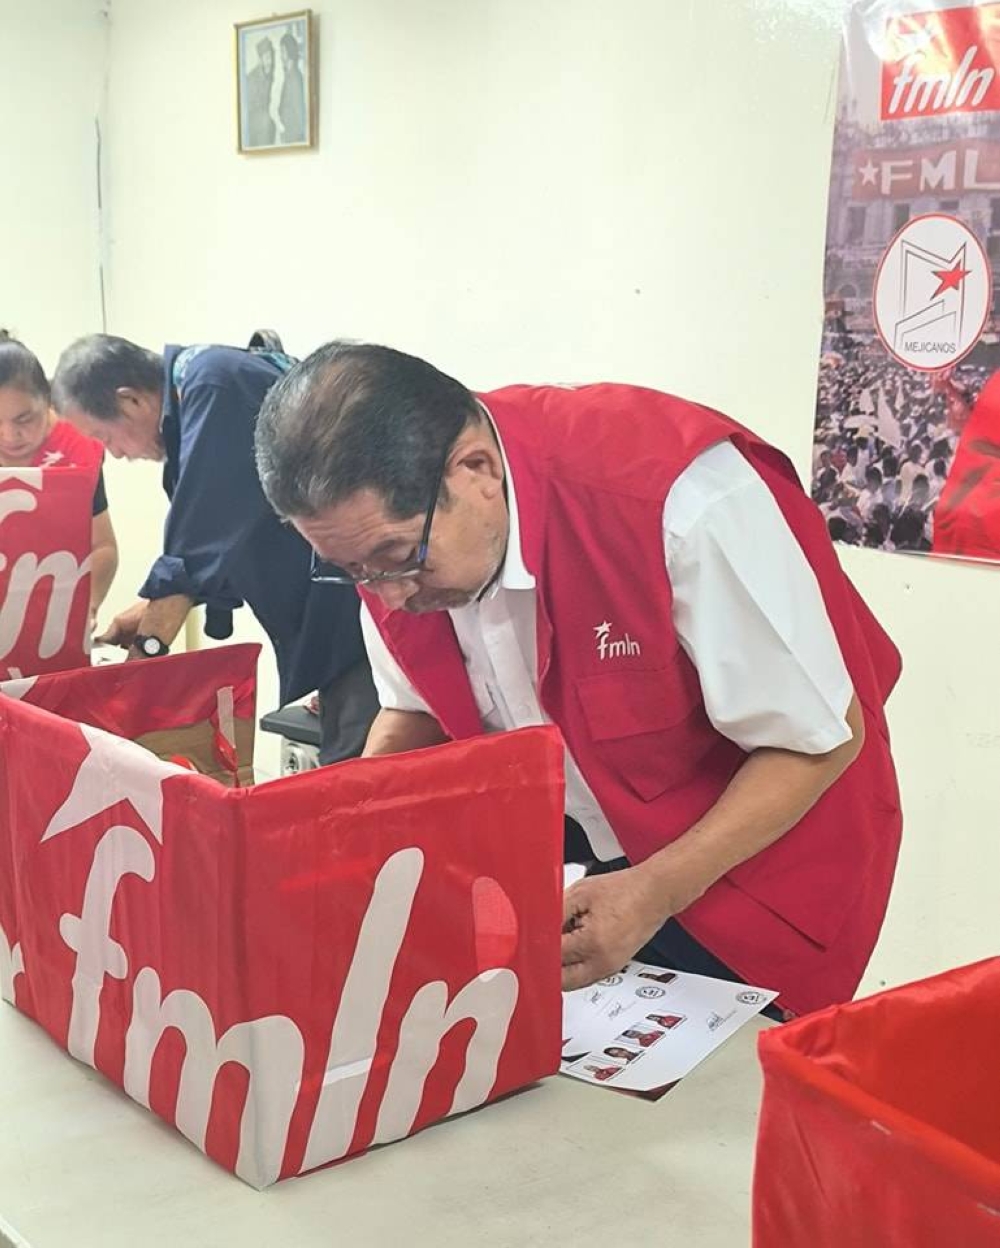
point(135, 404)
point(476, 460)
point(127, 397)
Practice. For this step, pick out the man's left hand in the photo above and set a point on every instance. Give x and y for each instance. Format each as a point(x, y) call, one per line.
point(606, 920)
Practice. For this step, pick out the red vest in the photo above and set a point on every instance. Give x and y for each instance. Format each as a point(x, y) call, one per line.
point(593, 467)
point(67, 447)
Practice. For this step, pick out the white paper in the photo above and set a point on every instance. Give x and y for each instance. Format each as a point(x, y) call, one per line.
point(644, 1028)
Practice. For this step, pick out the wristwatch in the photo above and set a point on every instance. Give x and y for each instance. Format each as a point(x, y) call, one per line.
point(150, 647)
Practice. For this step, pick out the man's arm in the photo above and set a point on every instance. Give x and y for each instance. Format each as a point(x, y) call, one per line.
point(394, 732)
point(607, 918)
point(163, 618)
point(405, 721)
point(216, 501)
point(749, 613)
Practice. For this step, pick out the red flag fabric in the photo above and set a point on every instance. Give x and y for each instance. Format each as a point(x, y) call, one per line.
point(288, 973)
point(881, 1120)
point(45, 546)
point(197, 706)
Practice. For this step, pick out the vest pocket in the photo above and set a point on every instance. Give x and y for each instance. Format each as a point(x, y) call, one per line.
point(650, 727)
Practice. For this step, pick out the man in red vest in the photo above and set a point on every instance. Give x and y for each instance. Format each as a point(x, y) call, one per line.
point(649, 576)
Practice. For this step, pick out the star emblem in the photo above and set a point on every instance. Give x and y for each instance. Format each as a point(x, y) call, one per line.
point(950, 279)
point(602, 630)
point(114, 769)
point(869, 172)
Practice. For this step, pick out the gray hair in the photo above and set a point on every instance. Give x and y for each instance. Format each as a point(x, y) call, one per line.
point(92, 369)
point(356, 416)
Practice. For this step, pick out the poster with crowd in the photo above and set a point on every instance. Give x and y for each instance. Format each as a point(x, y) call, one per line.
point(906, 452)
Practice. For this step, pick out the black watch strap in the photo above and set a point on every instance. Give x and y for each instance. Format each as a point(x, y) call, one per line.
point(150, 647)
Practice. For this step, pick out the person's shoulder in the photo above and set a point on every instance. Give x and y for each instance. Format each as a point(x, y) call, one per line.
point(220, 366)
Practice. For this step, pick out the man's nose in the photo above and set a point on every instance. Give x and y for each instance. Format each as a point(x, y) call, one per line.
point(395, 593)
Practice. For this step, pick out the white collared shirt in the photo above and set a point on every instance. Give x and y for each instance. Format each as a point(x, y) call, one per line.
point(776, 679)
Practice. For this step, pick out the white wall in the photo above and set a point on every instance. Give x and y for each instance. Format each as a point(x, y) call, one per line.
point(50, 95)
point(565, 190)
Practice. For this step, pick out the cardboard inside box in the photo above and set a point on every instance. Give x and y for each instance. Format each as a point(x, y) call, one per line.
point(197, 744)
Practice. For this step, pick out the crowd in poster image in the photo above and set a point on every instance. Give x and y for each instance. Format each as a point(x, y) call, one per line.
point(883, 444)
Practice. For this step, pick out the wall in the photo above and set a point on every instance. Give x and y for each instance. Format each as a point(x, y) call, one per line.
point(52, 288)
point(50, 96)
point(562, 191)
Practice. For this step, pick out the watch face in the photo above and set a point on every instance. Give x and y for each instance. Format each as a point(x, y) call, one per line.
point(152, 647)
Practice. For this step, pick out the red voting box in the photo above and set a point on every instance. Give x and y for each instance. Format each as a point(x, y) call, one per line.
point(881, 1120)
point(45, 524)
point(289, 973)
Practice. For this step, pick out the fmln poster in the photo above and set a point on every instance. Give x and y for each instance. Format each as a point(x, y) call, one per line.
point(906, 452)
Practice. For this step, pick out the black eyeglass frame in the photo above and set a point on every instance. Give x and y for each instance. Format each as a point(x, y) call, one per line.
point(413, 567)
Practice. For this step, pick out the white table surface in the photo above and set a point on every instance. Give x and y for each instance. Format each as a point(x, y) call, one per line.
point(560, 1164)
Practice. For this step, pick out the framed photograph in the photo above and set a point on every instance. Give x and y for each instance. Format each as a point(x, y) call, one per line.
point(276, 83)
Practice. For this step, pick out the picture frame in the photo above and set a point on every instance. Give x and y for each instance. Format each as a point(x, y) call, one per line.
point(276, 83)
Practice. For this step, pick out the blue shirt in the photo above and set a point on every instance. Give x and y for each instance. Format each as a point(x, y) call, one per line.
point(223, 545)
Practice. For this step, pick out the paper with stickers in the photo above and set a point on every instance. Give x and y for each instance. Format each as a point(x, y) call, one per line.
point(645, 1028)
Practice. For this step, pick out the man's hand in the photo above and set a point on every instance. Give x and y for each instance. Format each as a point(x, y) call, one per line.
point(606, 920)
point(163, 618)
point(123, 628)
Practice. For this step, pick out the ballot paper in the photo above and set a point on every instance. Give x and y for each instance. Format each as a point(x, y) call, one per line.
point(642, 1030)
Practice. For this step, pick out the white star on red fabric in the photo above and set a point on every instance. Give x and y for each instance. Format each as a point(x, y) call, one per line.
point(19, 688)
point(114, 769)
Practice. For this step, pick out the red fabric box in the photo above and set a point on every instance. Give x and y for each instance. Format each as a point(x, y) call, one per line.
point(45, 543)
point(292, 972)
point(880, 1125)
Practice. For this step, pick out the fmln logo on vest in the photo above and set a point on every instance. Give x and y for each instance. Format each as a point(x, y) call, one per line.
point(607, 648)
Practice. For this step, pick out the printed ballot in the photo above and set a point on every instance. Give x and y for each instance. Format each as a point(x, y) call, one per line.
point(645, 1028)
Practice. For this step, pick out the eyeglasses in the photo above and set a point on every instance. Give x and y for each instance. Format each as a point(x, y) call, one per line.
point(323, 573)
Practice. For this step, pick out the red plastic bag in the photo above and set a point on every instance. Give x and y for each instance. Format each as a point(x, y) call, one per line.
point(288, 973)
point(880, 1124)
point(45, 545)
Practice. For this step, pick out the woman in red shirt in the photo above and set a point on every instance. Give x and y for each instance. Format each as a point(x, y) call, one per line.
point(32, 436)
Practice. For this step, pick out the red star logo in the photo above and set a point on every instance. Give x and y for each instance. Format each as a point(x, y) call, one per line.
point(950, 279)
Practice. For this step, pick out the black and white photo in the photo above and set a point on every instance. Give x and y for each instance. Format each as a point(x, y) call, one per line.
point(276, 86)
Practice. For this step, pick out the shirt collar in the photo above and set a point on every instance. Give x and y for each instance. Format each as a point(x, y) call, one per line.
point(169, 409)
point(513, 572)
